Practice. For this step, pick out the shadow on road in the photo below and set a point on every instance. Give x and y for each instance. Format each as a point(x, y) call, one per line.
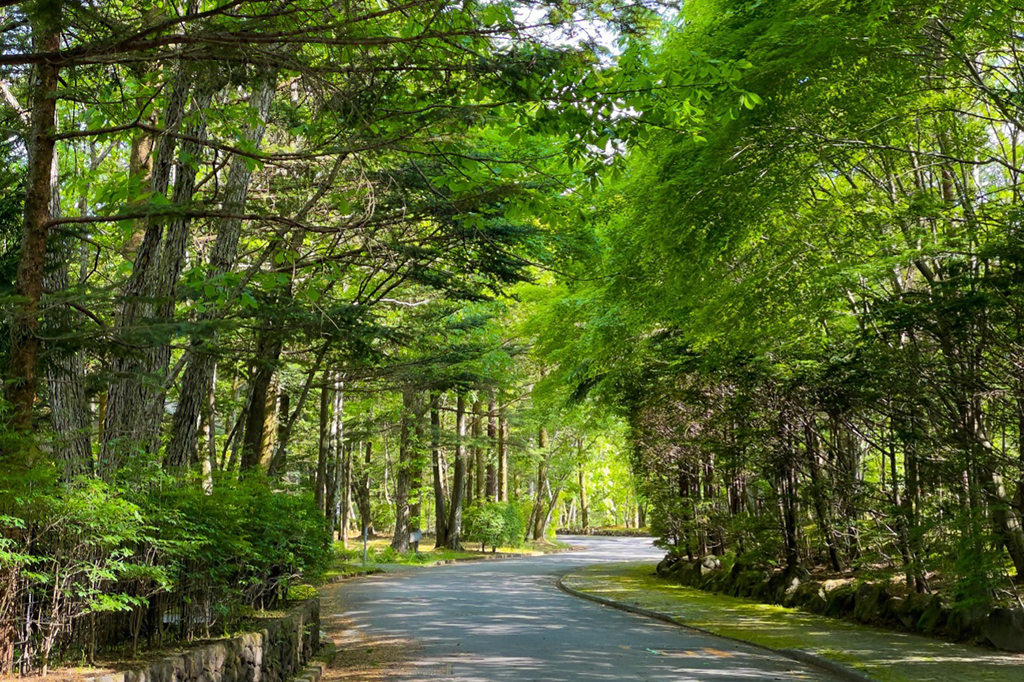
point(507, 621)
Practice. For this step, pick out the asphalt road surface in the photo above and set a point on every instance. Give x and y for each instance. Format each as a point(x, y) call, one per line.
point(506, 620)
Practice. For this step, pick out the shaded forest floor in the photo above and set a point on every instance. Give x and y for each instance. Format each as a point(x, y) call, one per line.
point(884, 655)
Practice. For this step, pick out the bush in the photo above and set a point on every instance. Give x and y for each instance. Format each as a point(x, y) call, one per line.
point(484, 523)
point(494, 524)
point(158, 560)
point(515, 524)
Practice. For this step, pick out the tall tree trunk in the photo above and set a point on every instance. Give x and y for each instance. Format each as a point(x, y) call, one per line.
point(286, 426)
point(415, 504)
point(537, 517)
point(256, 443)
point(363, 496)
point(256, 437)
point(492, 445)
point(789, 512)
point(172, 262)
point(324, 445)
point(403, 473)
point(1004, 517)
point(208, 427)
point(346, 491)
point(453, 539)
point(502, 457)
point(65, 375)
point(20, 384)
point(818, 495)
point(201, 352)
point(584, 507)
point(133, 389)
point(440, 506)
point(478, 453)
point(337, 438)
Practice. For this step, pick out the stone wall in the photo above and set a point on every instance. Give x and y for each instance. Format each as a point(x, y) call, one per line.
point(864, 602)
point(276, 653)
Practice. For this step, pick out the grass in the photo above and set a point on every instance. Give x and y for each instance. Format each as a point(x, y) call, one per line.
point(884, 655)
point(380, 557)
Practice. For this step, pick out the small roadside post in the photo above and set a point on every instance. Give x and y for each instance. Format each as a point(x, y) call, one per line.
point(366, 529)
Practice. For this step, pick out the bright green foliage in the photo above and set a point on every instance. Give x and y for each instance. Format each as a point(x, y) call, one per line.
point(810, 317)
point(495, 524)
point(91, 549)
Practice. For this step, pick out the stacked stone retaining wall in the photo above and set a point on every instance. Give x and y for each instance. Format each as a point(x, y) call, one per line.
point(275, 653)
point(864, 602)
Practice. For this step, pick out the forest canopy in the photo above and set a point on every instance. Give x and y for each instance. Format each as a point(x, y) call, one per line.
point(278, 273)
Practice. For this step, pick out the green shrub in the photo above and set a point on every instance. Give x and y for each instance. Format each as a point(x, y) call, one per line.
point(494, 524)
point(99, 550)
point(484, 523)
point(515, 524)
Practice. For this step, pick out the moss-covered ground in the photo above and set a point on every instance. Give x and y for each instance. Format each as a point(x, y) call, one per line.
point(884, 655)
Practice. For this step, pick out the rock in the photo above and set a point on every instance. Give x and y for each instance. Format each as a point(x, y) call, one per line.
point(934, 618)
point(677, 569)
point(966, 622)
point(791, 587)
point(665, 564)
point(891, 611)
point(809, 596)
point(781, 586)
point(907, 612)
point(840, 601)
point(869, 602)
point(1004, 629)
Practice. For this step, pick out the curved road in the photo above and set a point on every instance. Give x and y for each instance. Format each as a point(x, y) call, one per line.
point(506, 620)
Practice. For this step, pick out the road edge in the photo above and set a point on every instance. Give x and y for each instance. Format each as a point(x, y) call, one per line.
point(799, 655)
point(365, 573)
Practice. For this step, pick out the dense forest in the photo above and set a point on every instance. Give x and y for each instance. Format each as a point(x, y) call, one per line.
point(279, 274)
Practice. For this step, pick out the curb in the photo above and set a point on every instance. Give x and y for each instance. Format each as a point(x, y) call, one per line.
point(799, 655)
point(352, 576)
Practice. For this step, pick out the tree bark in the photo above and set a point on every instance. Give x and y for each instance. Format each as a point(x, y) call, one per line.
point(20, 384)
point(478, 453)
point(404, 472)
point(287, 424)
point(201, 352)
point(440, 506)
point(502, 457)
point(453, 539)
point(256, 444)
point(537, 516)
point(492, 444)
point(256, 440)
point(65, 376)
point(132, 391)
point(818, 495)
point(324, 445)
point(363, 496)
point(415, 504)
point(345, 492)
point(584, 507)
point(337, 436)
point(208, 427)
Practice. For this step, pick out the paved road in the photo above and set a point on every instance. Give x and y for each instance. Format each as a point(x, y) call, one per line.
point(507, 621)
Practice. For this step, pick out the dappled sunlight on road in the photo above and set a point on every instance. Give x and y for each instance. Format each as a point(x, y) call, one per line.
point(508, 621)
